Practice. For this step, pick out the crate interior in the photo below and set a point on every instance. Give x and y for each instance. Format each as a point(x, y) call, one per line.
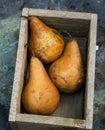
point(71, 105)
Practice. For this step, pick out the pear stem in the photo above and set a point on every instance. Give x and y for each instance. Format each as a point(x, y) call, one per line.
point(67, 34)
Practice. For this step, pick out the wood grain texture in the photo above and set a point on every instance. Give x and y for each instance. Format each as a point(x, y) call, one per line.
point(76, 23)
point(59, 14)
point(49, 121)
point(19, 71)
point(89, 98)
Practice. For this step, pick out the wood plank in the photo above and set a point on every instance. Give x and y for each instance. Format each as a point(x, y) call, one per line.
point(71, 105)
point(32, 126)
point(65, 22)
point(49, 121)
point(59, 14)
point(75, 33)
point(72, 29)
point(91, 72)
point(72, 21)
point(19, 70)
point(69, 27)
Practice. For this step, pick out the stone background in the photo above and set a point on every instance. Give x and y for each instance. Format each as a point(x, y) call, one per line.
point(10, 11)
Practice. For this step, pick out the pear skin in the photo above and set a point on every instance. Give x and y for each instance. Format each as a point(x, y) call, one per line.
point(67, 72)
point(45, 42)
point(39, 96)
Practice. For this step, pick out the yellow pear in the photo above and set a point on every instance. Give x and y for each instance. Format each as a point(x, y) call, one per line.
point(45, 42)
point(39, 96)
point(67, 72)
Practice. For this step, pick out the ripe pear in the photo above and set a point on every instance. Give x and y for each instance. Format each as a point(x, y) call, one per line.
point(39, 96)
point(67, 72)
point(45, 42)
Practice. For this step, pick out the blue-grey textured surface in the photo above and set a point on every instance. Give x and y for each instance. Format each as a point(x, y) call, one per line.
point(10, 10)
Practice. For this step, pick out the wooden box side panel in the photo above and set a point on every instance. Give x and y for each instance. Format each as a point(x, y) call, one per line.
point(32, 126)
point(59, 14)
point(89, 97)
point(75, 23)
point(25, 121)
point(19, 70)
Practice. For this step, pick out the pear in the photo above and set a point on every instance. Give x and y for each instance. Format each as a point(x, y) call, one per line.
point(39, 96)
point(67, 72)
point(46, 43)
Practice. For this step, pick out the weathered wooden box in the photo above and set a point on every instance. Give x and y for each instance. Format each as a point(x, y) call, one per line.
point(75, 110)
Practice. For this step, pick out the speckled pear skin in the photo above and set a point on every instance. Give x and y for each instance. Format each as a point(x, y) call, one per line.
point(45, 42)
point(67, 72)
point(40, 96)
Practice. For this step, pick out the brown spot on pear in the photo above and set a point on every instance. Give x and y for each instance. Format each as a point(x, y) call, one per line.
point(45, 42)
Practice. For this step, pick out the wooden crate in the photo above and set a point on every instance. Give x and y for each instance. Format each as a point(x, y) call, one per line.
point(75, 110)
